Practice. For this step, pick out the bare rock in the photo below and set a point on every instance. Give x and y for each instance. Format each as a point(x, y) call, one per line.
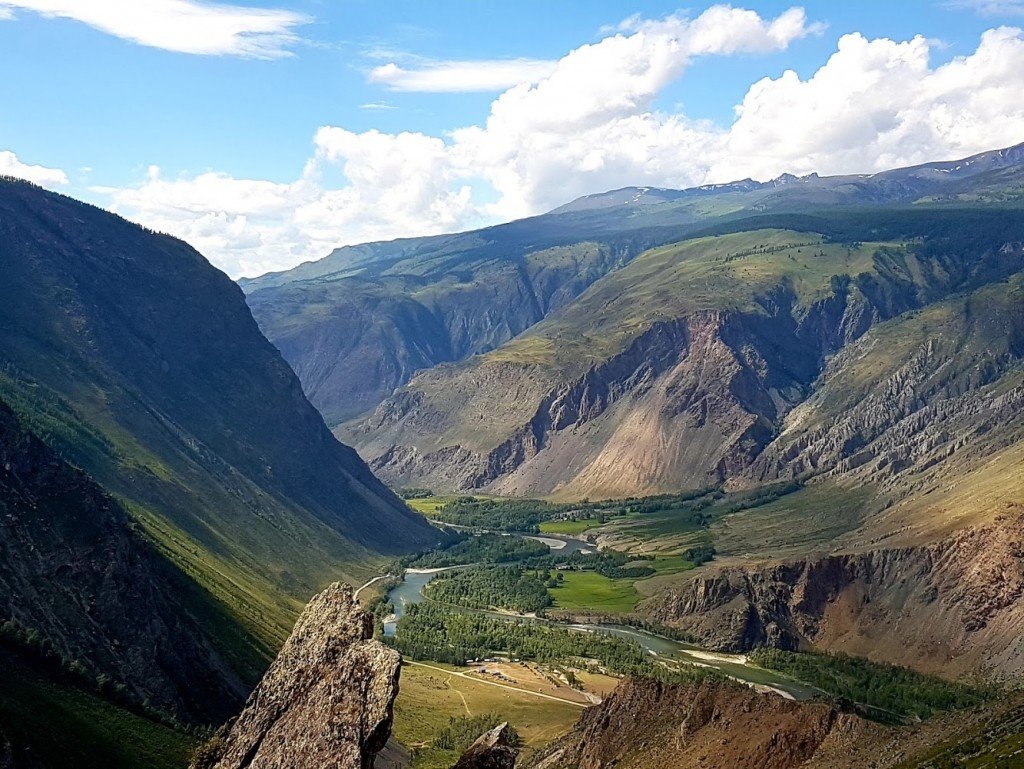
point(492, 750)
point(325, 703)
point(710, 724)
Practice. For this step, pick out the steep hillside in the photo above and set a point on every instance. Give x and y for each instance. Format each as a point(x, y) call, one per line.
point(679, 369)
point(75, 572)
point(140, 363)
point(364, 319)
point(926, 409)
point(967, 587)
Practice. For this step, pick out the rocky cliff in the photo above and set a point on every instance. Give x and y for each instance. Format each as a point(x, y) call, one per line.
point(967, 590)
point(712, 724)
point(325, 702)
point(677, 371)
point(492, 750)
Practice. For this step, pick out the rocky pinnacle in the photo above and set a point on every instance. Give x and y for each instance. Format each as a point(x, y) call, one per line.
point(326, 701)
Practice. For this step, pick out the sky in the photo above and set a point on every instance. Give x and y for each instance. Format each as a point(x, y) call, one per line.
point(269, 133)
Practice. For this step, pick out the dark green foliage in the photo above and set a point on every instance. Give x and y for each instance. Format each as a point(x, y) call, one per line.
point(699, 555)
point(607, 563)
point(498, 514)
point(47, 721)
point(526, 515)
point(484, 548)
point(883, 692)
point(414, 493)
point(463, 731)
point(504, 587)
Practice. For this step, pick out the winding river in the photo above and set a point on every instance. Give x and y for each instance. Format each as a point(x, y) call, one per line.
point(736, 666)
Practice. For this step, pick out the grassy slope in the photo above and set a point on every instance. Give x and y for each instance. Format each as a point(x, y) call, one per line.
point(713, 273)
point(70, 728)
point(427, 699)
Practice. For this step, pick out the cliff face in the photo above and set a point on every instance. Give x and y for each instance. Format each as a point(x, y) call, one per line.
point(717, 725)
point(325, 702)
point(967, 590)
point(679, 371)
point(74, 570)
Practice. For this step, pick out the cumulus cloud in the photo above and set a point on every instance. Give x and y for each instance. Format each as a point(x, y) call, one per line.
point(461, 76)
point(41, 175)
point(185, 26)
point(591, 125)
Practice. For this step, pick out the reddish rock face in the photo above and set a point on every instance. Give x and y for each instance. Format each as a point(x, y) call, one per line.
point(874, 603)
point(711, 724)
point(325, 703)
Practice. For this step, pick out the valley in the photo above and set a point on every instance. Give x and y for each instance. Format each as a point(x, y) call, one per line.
point(718, 455)
point(419, 617)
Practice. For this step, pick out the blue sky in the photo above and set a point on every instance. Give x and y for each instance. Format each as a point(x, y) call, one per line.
point(104, 100)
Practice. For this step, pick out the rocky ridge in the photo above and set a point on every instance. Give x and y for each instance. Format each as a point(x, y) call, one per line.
point(711, 724)
point(492, 750)
point(326, 701)
point(968, 588)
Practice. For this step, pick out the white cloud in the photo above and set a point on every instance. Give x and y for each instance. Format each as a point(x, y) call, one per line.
point(461, 76)
point(877, 104)
point(185, 26)
point(591, 125)
point(41, 175)
point(989, 7)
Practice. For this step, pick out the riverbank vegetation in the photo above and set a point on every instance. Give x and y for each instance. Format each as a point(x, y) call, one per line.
point(503, 587)
point(463, 549)
point(882, 692)
point(433, 632)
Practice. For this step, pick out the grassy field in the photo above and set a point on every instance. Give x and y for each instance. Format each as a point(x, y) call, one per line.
point(569, 528)
point(589, 591)
point(428, 698)
point(70, 728)
point(428, 505)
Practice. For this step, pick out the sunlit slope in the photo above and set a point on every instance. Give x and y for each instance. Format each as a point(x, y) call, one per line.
point(927, 409)
point(138, 361)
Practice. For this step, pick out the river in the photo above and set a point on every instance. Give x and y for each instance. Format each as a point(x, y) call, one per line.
point(736, 666)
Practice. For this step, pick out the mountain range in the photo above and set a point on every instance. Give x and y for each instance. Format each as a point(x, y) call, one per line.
point(184, 461)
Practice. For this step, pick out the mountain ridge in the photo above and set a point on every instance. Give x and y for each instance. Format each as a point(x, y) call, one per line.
point(363, 320)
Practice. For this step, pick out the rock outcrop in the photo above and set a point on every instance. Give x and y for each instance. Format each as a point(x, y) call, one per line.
point(492, 750)
point(325, 703)
point(967, 588)
point(710, 724)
